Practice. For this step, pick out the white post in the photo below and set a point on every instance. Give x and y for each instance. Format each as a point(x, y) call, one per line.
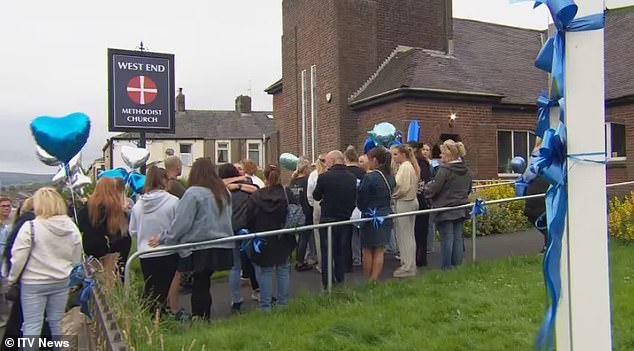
point(304, 101)
point(473, 235)
point(588, 285)
point(313, 111)
point(329, 258)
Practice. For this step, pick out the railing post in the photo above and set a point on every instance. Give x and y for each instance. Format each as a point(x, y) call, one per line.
point(329, 258)
point(473, 235)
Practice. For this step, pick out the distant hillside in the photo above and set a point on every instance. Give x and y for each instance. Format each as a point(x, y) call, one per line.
point(9, 178)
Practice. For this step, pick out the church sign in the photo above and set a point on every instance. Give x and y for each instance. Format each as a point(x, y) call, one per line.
point(140, 91)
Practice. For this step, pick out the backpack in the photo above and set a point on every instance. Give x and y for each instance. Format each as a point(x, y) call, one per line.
point(294, 215)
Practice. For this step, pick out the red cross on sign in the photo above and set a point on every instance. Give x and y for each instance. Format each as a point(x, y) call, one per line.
point(142, 90)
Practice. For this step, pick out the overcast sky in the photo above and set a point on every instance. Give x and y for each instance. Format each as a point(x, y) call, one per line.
point(54, 56)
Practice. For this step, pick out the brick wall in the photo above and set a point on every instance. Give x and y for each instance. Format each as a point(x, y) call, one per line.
point(346, 40)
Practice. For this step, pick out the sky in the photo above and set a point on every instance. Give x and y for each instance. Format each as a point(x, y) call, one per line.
point(54, 56)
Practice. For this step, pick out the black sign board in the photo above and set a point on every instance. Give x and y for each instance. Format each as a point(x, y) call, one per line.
point(140, 91)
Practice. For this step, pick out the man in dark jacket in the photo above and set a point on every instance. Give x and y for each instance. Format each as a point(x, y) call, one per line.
point(337, 191)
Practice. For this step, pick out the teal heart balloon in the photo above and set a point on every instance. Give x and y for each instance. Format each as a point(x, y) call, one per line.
point(61, 137)
point(289, 161)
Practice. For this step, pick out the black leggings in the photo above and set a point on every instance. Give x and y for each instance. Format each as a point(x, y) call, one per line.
point(421, 229)
point(158, 273)
point(201, 294)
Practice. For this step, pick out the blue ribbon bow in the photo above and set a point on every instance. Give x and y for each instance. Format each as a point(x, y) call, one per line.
point(133, 180)
point(377, 221)
point(257, 242)
point(479, 208)
point(85, 295)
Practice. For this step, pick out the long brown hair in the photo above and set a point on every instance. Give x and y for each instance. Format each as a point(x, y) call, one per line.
point(156, 179)
point(203, 174)
point(106, 203)
point(383, 159)
point(272, 175)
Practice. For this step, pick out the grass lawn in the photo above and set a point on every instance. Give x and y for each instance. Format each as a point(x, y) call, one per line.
point(495, 305)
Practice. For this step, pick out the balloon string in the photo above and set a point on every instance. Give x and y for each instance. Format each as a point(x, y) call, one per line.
point(69, 182)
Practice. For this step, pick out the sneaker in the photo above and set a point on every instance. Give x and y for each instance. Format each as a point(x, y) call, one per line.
point(401, 273)
point(356, 263)
point(397, 257)
point(255, 295)
point(235, 307)
point(302, 267)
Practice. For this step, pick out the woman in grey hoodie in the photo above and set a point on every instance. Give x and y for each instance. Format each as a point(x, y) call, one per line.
point(42, 257)
point(203, 214)
point(154, 213)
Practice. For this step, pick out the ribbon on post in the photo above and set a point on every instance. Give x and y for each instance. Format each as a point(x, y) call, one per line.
point(377, 221)
point(550, 160)
point(479, 208)
point(85, 295)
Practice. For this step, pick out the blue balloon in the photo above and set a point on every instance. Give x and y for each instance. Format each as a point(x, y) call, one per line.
point(114, 173)
point(136, 182)
point(61, 137)
point(395, 143)
point(518, 164)
point(383, 133)
point(369, 145)
point(413, 131)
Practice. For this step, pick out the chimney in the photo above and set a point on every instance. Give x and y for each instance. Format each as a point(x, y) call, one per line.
point(180, 101)
point(243, 104)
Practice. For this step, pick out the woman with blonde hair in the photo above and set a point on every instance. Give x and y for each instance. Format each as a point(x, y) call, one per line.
point(450, 187)
point(320, 168)
point(407, 177)
point(104, 224)
point(43, 256)
point(299, 188)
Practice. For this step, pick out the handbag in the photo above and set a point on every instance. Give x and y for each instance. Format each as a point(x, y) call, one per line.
point(13, 293)
point(294, 215)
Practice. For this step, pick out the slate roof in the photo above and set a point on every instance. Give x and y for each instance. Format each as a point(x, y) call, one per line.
point(210, 125)
point(619, 57)
point(495, 59)
point(488, 59)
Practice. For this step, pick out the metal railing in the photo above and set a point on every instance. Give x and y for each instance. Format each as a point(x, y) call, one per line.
point(329, 226)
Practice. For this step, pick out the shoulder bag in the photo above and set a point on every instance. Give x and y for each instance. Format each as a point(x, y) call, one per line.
point(13, 293)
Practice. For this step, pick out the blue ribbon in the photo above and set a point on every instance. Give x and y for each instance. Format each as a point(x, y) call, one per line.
point(479, 208)
point(377, 221)
point(257, 242)
point(84, 297)
point(134, 180)
point(550, 162)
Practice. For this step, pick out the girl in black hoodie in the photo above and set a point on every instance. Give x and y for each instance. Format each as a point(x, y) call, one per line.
point(266, 211)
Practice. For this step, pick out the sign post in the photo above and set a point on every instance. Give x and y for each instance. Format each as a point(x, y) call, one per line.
point(585, 303)
point(140, 92)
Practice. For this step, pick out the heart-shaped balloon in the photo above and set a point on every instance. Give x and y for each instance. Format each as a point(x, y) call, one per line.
point(383, 133)
point(46, 158)
point(120, 173)
point(134, 157)
point(61, 137)
point(80, 180)
point(289, 161)
point(413, 131)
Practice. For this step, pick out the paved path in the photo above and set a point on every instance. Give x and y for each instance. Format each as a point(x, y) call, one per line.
point(529, 242)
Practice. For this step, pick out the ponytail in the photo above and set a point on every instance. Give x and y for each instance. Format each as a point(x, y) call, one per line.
point(409, 153)
point(272, 175)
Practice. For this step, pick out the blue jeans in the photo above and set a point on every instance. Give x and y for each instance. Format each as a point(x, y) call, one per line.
point(234, 275)
point(265, 279)
point(37, 298)
point(451, 242)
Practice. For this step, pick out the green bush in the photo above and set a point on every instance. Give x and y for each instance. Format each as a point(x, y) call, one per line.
point(503, 218)
point(621, 218)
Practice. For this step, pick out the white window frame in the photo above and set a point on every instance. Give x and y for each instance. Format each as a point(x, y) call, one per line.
point(608, 142)
point(187, 159)
point(260, 150)
point(228, 142)
point(528, 144)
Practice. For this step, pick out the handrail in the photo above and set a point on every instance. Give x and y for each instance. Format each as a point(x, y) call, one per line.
point(297, 230)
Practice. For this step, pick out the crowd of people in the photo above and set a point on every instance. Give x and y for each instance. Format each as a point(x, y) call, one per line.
point(43, 244)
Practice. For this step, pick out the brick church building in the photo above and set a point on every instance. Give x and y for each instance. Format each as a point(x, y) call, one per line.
point(349, 64)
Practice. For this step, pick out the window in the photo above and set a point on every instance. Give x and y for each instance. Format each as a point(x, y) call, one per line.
point(615, 141)
point(186, 154)
point(223, 151)
point(511, 144)
point(254, 151)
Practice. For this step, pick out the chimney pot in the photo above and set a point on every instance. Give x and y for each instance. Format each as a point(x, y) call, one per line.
point(243, 104)
point(180, 101)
